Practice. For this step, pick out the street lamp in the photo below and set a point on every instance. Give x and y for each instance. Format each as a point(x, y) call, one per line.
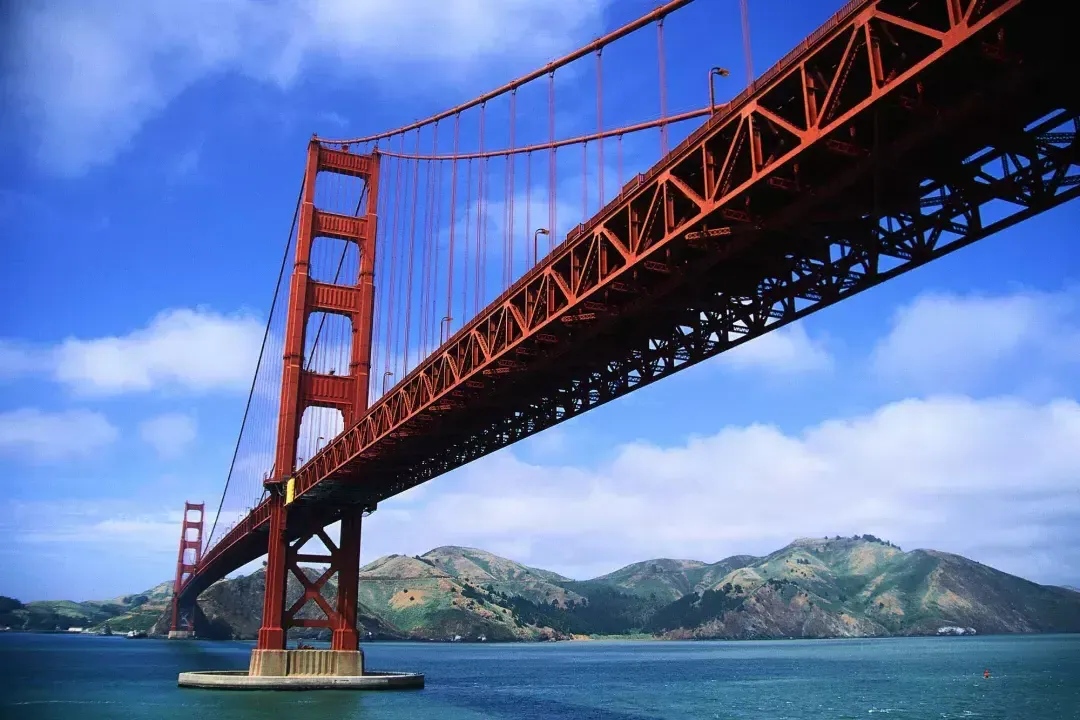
point(712, 95)
point(445, 322)
point(387, 374)
point(536, 254)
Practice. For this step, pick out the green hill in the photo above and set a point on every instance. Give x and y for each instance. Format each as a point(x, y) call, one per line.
point(838, 587)
point(138, 611)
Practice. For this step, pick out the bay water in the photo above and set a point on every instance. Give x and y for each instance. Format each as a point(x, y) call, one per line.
point(1033, 677)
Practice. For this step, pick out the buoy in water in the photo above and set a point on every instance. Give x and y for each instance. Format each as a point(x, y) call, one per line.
point(986, 674)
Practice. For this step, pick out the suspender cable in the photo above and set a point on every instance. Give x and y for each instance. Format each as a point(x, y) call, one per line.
point(600, 124)
point(744, 11)
point(425, 264)
point(510, 159)
point(453, 227)
point(620, 164)
point(466, 244)
point(528, 210)
point(551, 160)
point(585, 181)
point(391, 292)
point(412, 255)
point(663, 84)
point(433, 320)
point(480, 221)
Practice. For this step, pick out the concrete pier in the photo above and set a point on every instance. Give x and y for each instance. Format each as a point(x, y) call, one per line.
point(240, 680)
point(302, 670)
point(322, 663)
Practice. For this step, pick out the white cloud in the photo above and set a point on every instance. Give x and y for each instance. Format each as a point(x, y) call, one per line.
point(89, 76)
point(197, 350)
point(169, 434)
point(788, 350)
point(945, 340)
point(994, 480)
point(126, 528)
point(43, 437)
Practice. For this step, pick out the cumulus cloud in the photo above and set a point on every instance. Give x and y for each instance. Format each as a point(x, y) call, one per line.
point(992, 479)
point(955, 341)
point(788, 350)
point(45, 437)
point(126, 528)
point(196, 350)
point(169, 434)
point(89, 76)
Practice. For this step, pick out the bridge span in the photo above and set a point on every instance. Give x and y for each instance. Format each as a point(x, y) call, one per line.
point(898, 132)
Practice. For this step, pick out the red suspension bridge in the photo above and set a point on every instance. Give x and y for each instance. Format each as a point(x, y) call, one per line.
point(436, 301)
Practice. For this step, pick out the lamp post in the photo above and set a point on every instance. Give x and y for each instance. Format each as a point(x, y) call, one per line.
point(712, 95)
point(387, 374)
point(445, 323)
point(536, 253)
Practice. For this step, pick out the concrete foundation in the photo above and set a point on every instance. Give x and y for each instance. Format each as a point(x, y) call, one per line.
point(181, 635)
point(319, 663)
point(240, 680)
point(302, 670)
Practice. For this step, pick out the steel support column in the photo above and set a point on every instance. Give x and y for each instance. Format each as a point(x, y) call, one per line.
point(345, 636)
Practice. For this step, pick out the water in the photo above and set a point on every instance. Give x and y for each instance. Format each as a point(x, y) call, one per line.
point(1033, 677)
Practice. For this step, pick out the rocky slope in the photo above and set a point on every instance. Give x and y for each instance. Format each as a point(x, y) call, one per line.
point(814, 587)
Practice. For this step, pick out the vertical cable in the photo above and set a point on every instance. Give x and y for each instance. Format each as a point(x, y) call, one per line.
point(551, 159)
point(584, 181)
point(528, 209)
point(600, 124)
point(620, 164)
point(426, 258)
point(663, 85)
point(510, 159)
point(453, 218)
point(480, 220)
point(744, 11)
point(465, 245)
point(412, 254)
point(433, 321)
point(391, 317)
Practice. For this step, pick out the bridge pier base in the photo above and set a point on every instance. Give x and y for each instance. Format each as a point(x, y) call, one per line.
point(287, 663)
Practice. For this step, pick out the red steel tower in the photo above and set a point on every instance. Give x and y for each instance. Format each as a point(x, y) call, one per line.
point(301, 389)
point(182, 624)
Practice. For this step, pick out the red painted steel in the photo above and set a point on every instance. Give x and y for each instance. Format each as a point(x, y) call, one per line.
point(303, 388)
point(191, 537)
point(869, 150)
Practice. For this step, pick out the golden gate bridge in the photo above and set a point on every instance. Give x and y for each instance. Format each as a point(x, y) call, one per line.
point(445, 291)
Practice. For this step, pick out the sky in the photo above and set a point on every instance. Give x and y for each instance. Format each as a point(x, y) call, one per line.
point(150, 164)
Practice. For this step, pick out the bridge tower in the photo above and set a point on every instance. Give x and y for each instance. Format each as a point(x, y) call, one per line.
point(302, 388)
point(182, 624)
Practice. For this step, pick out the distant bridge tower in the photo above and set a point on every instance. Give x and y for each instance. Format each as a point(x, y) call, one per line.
point(182, 624)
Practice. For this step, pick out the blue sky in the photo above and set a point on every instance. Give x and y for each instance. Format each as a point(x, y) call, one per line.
point(151, 161)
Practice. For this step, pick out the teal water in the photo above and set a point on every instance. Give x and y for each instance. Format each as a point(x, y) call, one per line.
point(1033, 677)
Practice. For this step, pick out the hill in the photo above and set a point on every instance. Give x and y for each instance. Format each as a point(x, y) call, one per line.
point(813, 587)
point(138, 611)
